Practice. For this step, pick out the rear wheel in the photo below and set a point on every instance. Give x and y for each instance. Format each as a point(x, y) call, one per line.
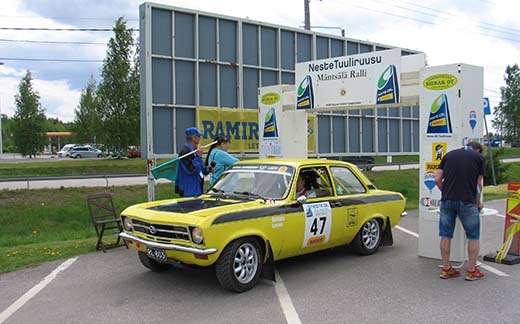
point(368, 238)
point(151, 264)
point(240, 264)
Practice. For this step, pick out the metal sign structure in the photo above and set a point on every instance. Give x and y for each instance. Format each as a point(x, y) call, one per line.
point(192, 59)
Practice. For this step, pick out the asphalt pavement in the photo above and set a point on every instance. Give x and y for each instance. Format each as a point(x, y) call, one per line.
point(334, 286)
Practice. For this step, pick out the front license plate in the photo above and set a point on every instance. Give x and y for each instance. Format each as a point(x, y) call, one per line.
point(156, 253)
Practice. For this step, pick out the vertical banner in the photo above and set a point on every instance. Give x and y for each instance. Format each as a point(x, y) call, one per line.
point(451, 115)
point(362, 79)
point(270, 113)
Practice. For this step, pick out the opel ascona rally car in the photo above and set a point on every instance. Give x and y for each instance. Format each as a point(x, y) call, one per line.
point(252, 216)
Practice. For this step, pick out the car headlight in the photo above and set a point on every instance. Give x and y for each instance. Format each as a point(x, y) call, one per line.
point(196, 235)
point(127, 224)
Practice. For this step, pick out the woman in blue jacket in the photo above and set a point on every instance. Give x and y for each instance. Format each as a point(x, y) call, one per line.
point(218, 154)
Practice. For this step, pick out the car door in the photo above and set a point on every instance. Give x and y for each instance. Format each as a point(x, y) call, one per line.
point(351, 207)
point(308, 226)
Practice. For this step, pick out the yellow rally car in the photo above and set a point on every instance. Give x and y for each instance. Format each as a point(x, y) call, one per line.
point(260, 211)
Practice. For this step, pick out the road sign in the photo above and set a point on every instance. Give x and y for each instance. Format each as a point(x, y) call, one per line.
point(487, 109)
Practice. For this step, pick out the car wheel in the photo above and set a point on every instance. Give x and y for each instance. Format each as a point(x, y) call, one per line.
point(240, 264)
point(368, 238)
point(77, 156)
point(151, 264)
point(98, 156)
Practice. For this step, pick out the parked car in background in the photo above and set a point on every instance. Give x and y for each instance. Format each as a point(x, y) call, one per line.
point(364, 163)
point(84, 152)
point(64, 152)
point(133, 152)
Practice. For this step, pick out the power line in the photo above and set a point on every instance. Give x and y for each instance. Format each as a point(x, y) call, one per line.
point(427, 22)
point(47, 59)
point(492, 90)
point(70, 18)
point(48, 42)
point(514, 30)
point(64, 29)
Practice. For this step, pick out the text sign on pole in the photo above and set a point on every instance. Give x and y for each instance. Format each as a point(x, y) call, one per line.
point(363, 79)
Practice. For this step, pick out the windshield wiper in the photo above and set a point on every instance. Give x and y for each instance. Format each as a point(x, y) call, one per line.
point(217, 190)
point(249, 195)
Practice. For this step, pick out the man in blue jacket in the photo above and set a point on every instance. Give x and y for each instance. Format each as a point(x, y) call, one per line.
point(190, 179)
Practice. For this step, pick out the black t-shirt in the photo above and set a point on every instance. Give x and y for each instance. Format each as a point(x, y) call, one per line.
point(462, 168)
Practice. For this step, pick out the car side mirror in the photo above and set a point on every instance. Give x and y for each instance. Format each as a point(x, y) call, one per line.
point(302, 199)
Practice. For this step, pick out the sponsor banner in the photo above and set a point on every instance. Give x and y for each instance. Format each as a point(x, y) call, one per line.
point(241, 126)
point(362, 79)
point(270, 110)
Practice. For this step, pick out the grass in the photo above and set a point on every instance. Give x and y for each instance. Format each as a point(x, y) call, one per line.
point(404, 181)
point(41, 225)
point(509, 152)
point(71, 167)
point(47, 224)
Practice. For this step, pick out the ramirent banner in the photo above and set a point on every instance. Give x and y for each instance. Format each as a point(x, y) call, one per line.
point(241, 126)
point(362, 79)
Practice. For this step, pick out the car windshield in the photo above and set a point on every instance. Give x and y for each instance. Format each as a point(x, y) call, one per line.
point(255, 181)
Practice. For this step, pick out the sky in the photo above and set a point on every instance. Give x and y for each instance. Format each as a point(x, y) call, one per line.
point(479, 32)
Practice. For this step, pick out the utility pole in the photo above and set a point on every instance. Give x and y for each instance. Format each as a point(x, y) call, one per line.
point(307, 14)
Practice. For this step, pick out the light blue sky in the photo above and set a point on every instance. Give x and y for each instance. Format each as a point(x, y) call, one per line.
point(485, 33)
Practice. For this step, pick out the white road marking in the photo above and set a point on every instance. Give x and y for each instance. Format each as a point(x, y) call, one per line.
point(485, 266)
point(495, 271)
point(34, 290)
point(285, 301)
point(402, 229)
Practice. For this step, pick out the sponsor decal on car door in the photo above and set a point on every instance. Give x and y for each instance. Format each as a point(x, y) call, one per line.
point(318, 221)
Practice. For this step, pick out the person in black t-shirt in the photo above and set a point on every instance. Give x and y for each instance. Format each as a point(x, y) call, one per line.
point(460, 177)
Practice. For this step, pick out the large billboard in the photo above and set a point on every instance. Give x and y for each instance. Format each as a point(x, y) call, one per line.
point(363, 79)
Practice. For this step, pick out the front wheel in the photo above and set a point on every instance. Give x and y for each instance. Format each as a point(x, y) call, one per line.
point(240, 264)
point(368, 238)
point(151, 264)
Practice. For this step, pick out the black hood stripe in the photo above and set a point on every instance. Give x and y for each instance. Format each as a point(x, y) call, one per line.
point(296, 207)
point(188, 206)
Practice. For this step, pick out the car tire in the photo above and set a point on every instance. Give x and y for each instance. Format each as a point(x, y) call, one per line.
point(98, 156)
point(151, 264)
point(368, 238)
point(77, 156)
point(239, 266)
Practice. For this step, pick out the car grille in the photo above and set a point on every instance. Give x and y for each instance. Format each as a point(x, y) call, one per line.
point(161, 231)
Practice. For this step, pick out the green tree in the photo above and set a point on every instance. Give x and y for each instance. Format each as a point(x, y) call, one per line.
point(87, 120)
point(507, 114)
point(117, 97)
point(29, 119)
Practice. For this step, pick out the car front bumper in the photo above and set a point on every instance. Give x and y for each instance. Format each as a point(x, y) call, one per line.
point(168, 246)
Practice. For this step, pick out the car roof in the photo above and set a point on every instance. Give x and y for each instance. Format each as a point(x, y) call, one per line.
point(295, 162)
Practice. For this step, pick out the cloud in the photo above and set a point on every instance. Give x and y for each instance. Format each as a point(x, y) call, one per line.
point(57, 97)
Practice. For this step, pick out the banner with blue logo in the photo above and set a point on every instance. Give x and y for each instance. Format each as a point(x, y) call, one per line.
point(361, 79)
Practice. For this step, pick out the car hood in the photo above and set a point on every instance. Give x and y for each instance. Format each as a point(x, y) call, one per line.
point(194, 210)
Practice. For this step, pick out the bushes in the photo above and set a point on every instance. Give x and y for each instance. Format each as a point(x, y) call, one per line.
point(500, 167)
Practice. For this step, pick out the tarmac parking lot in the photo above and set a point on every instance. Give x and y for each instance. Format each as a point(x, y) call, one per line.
point(334, 286)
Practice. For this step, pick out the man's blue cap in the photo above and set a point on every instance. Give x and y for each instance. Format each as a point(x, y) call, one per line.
point(190, 131)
